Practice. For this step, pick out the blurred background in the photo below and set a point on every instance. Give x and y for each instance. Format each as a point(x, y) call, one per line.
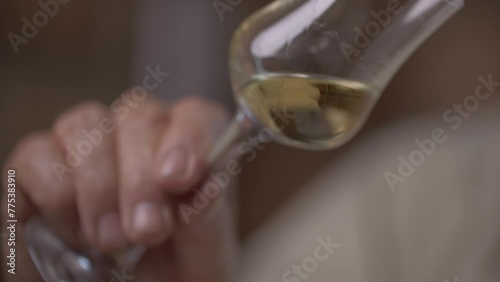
point(96, 49)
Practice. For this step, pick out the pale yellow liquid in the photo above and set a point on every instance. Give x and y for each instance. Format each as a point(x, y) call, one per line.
point(309, 112)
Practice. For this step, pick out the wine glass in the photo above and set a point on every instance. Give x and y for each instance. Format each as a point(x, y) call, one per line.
point(308, 70)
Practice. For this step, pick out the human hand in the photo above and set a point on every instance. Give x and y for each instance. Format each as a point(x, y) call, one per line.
point(111, 177)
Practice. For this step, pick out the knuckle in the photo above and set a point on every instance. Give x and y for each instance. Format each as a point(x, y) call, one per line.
point(83, 115)
point(203, 106)
point(149, 110)
point(33, 175)
point(27, 147)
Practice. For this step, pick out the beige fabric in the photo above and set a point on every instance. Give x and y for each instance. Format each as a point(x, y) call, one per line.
point(441, 223)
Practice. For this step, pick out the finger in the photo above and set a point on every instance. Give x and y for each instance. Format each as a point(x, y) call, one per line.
point(14, 194)
point(203, 247)
point(86, 136)
point(146, 214)
point(44, 184)
point(184, 148)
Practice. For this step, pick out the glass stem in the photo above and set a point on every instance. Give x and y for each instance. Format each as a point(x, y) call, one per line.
point(240, 127)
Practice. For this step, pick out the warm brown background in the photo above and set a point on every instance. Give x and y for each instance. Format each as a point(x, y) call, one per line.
point(85, 52)
point(82, 53)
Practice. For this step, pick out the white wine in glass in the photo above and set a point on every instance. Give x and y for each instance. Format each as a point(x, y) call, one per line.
point(308, 111)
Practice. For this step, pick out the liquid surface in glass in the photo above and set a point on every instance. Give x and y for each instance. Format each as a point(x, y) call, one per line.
point(308, 111)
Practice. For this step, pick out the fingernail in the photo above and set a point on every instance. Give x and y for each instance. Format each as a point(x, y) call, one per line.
point(175, 164)
point(110, 232)
point(147, 218)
